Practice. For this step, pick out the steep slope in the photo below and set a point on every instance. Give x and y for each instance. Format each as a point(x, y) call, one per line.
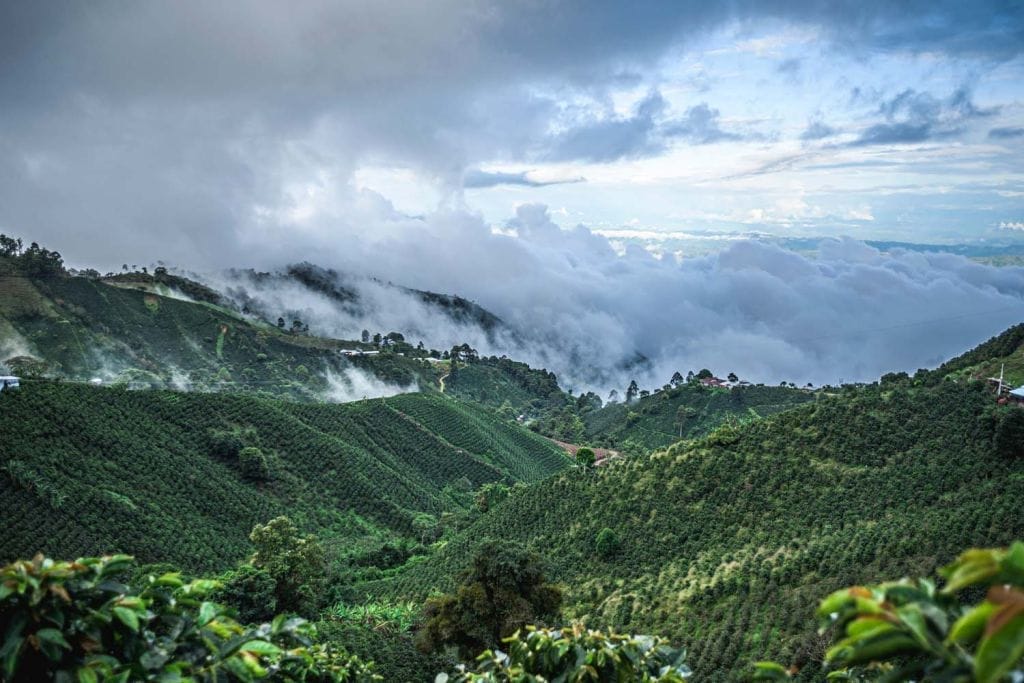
point(684, 412)
point(728, 542)
point(81, 328)
point(508, 384)
point(163, 476)
point(1005, 350)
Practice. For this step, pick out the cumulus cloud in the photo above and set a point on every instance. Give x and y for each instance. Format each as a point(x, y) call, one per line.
point(130, 122)
point(125, 130)
point(1011, 225)
point(598, 317)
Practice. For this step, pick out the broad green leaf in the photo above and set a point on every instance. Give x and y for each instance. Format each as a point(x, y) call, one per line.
point(969, 627)
point(127, 617)
point(52, 636)
point(871, 649)
point(770, 671)
point(1000, 652)
point(261, 647)
point(207, 611)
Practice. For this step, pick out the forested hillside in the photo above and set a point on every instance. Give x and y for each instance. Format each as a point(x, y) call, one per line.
point(725, 543)
point(1002, 353)
point(512, 387)
point(683, 412)
point(183, 478)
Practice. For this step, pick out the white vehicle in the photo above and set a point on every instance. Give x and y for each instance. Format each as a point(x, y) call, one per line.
point(9, 383)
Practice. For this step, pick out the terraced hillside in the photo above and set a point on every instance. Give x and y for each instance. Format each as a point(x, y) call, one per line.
point(182, 478)
point(726, 543)
point(684, 412)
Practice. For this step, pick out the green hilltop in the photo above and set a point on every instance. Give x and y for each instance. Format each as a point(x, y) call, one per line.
point(684, 412)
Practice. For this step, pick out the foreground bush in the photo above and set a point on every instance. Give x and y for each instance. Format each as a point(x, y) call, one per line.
point(79, 621)
point(576, 655)
point(908, 630)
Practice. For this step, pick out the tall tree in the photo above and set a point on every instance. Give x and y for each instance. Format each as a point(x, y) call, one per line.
point(296, 563)
point(500, 592)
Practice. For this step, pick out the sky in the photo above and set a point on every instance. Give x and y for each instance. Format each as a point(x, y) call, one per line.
point(500, 149)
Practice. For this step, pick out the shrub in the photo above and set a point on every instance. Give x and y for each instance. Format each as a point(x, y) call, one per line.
point(576, 655)
point(296, 563)
point(253, 463)
point(1009, 434)
point(502, 591)
point(251, 591)
point(79, 621)
point(607, 543)
point(907, 630)
point(585, 457)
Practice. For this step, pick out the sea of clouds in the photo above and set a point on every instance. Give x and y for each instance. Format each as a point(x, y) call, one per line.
point(599, 316)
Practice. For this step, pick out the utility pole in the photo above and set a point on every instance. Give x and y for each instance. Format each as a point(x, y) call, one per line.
point(999, 391)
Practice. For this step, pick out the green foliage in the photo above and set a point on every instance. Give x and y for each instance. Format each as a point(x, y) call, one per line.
point(1009, 434)
point(683, 411)
point(577, 655)
point(156, 473)
point(501, 382)
point(393, 652)
point(80, 621)
point(490, 495)
point(585, 457)
point(732, 537)
point(389, 617)
point(254, 464)
point(296, 564)
point(225, 444)
point(503, 590)
point(907, 630)
point(252, 591)
point(607, 543)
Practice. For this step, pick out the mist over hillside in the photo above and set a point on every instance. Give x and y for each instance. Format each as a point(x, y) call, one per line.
point(569, 301)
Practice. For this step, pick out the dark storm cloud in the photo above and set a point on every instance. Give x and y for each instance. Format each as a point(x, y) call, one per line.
point(912, 116)
point(177, 129)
